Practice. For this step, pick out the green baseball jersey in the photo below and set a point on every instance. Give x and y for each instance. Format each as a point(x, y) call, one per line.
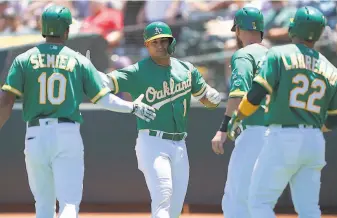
point(244, 64)
point(167, 89)
point(51, 79)
point(302, 85)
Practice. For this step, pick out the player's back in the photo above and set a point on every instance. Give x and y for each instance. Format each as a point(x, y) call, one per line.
point(305, 86)
point(53, 82)
point(254, 53)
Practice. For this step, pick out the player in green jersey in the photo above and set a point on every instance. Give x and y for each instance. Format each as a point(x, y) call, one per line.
point(248, 25)
point(302, 85)
point(51, 79)
point(168, 84)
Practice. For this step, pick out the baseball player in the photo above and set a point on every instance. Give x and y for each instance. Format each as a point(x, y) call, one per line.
point(51, 79)
point(302, 85)
point(248, 25)
point(167, 84)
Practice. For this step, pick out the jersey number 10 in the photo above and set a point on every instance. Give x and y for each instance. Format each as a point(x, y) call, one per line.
point(309, 105)
point(47, 88)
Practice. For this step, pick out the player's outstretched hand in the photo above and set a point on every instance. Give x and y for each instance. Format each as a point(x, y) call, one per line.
point(234, 127)
point(213, 96)
point(143, 111)
point(218, 141)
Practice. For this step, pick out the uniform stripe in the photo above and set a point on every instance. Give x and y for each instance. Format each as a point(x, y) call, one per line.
point(247, 108)
point(12, 90)
point(103, 92)
point(237, 93)
point(333, 112)
point(263, 83)
point(200, 92)
point(115, 82)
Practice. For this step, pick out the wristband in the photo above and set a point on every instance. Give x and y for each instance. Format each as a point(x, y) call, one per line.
point(224, 124)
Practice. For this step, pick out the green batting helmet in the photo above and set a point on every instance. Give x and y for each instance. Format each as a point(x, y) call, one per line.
point(55, 20)
point(248, 18)
point(157, 30)
point(308, 24)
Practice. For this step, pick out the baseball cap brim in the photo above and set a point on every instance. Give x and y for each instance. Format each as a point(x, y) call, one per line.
point(159, 36)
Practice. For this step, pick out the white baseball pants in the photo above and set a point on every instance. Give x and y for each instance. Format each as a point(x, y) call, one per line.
point(295, 155)
point(54, 158)
point(247, 148)
point(165, 166)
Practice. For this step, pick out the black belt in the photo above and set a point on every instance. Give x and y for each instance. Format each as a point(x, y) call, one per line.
point(36, 122)
point(169, 136)
point(305, 126)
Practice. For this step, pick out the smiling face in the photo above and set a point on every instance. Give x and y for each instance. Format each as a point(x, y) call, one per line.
point(157, 48)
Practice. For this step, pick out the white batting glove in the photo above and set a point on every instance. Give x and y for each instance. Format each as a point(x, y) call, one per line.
point(143, 111)
point(213, 95)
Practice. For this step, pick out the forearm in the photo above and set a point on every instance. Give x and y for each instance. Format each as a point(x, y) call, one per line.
point(250, 103)
point(107, 81)
point(113, 103)
point(232, 105)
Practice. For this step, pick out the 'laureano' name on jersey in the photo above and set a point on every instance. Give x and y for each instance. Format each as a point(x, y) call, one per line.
point(152, 94)
point(63, 62)
point(300, 61)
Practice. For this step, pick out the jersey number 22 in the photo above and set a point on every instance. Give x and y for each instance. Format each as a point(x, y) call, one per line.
point(47, 88)
point(309, 105)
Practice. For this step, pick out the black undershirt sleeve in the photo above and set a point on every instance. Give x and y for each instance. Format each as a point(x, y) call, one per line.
point(256, 94)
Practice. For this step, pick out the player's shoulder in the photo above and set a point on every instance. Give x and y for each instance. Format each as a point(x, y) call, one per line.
point(81, 59)
point(283, 49)
point(328, 64)
point(26, 55)
point(251, 52)
point(180, 63)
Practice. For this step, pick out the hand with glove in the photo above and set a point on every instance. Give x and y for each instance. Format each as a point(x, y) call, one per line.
point(213, 96)
point(211, 99)
point(143, 111)
point(234, 127)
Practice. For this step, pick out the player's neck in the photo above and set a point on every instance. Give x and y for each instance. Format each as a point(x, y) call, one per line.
point(54, 41)
point(252, 41)
point(306, 43)
point(162, 61)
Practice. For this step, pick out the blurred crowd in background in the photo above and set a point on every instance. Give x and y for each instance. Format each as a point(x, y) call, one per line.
point(201, 27)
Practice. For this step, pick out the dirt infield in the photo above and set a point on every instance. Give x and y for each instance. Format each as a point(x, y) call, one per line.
point(137, 215)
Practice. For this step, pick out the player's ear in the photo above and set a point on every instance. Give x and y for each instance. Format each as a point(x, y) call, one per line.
point(66, 34)
point(237, 30)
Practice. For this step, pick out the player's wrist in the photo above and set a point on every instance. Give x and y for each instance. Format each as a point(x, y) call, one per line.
point(134, 108)
point(224, 124)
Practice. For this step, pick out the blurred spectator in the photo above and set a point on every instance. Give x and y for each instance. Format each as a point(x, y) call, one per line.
point(108, 22)
point(277, 20)
point(167, 11)
point(82, 8)
point(12, 23)
point(3, 6)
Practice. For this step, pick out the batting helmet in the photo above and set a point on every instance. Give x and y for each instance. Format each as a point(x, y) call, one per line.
point(248, 18)
point(308, 24)
point(55, 20)
point(157, 30)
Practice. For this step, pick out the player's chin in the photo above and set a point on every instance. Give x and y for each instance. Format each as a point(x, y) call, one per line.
point(162, 54)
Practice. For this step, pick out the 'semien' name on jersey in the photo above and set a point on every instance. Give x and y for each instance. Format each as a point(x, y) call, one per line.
point(302, 85)
point(51, 79)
